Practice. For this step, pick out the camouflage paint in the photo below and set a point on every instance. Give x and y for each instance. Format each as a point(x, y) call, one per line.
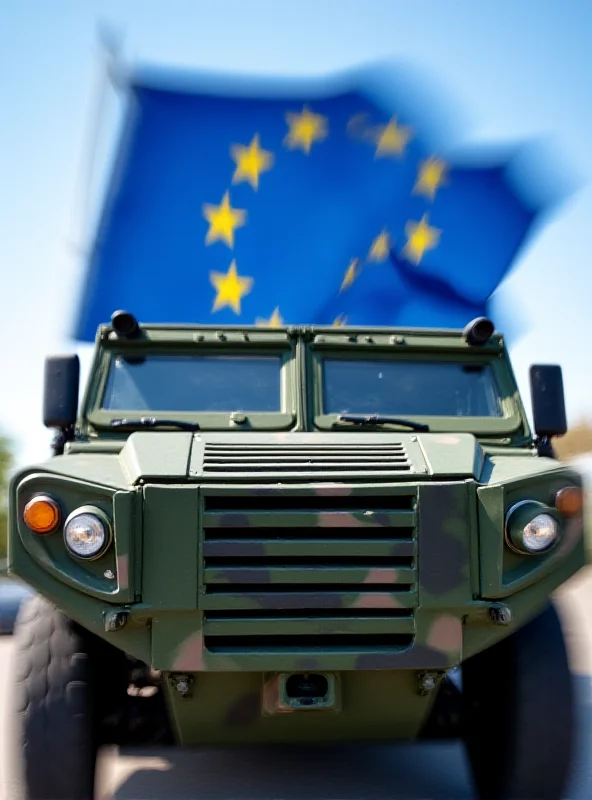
point(376, 706)
point(373, 555)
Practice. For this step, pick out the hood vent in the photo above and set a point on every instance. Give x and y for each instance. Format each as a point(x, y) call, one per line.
point(295, 459)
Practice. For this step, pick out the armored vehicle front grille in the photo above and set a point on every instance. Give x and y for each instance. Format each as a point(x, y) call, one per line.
point(287, 459)
point(296, 572)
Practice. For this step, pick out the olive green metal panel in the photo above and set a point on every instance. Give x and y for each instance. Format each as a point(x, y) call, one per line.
point(374, 707)
point(156, 456)
point(513, 464)
point(444, 546)
point(450, 455)
point(480, 632)
point(98, 468)
point(169, 556)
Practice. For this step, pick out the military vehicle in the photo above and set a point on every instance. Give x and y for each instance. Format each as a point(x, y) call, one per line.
point(295, 535)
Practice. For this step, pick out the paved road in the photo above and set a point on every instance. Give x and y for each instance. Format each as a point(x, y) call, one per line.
point(423, 772)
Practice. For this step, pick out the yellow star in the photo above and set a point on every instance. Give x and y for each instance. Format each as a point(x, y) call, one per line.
point(223, 220)
point(420, 237)
point(392, 139)
point(351, 273)
point(340, 321)
point(381, 247)
point(250, 162)
point(275, 321)
point(305, 128)
point(230, 288)
point(430, 177)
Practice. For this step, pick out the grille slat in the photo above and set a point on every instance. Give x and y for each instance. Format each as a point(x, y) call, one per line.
point(308, 571)
point(245, 597)
point(294, 534)
point(322, 626)
point(304, 460)
point(294, 458)
point(271, 467)
point(322, 548)
point(236, 449)
point(309, 519)
point(278, 576)
point(279, 645)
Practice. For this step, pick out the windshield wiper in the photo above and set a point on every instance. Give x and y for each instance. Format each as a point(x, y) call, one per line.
point(152, 422)
point(380, 419)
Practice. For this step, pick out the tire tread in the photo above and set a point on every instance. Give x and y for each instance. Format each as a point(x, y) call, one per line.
point(53, 730)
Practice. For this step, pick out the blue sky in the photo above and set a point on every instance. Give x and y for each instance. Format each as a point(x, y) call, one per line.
point(515, 70)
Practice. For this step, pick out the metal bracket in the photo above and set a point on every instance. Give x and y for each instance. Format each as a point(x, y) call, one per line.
point(428, 681)
point(500, 614)
point(115, 619)
point(182, 684)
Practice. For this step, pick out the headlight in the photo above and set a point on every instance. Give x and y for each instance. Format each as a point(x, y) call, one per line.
point(87, 533)
point(531, 528)
point(540, 534)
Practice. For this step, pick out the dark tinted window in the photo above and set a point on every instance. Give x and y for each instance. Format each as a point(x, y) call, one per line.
point(194, 383)
point(408, 388)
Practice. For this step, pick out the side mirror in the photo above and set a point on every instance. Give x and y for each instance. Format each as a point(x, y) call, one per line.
point(548, 401)
point(61, 386)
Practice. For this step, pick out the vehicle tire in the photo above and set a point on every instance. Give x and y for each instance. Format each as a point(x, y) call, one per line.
point(52, 731)
point(518, 714)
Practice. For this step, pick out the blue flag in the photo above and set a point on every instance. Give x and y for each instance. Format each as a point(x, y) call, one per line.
point(279, 204)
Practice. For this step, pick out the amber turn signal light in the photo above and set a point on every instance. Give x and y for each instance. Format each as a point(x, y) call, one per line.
point(569, 501)
point(42, 514)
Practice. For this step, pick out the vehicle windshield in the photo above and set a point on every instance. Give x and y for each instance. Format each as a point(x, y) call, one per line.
point(410, 388)
point(194, 383)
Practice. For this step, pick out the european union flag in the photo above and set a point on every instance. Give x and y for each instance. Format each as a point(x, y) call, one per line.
point(282, 203)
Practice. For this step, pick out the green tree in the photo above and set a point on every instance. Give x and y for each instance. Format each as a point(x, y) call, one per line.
point(6, 458)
